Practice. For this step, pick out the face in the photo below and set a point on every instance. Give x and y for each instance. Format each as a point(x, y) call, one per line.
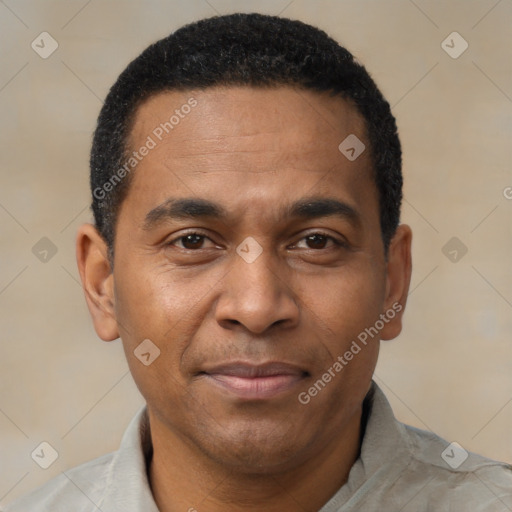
point(248, 250)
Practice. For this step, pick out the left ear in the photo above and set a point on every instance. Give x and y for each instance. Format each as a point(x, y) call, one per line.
point(398, 279)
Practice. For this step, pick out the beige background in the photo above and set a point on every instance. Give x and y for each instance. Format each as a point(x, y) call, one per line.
point(451, 369)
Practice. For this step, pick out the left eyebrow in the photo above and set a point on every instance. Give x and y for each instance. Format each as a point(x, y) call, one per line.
point(316, 207)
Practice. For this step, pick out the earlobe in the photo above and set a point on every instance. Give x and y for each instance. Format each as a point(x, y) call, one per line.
point(97, 281)
point(399, 268)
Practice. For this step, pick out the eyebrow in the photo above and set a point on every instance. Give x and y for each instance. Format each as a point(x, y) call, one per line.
point(315, 207)
point(183, 208)
point(196, 208)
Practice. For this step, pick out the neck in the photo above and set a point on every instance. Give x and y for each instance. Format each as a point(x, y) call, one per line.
point(184, 480)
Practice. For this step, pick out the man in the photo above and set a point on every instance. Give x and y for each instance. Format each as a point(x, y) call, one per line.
point(246, 181)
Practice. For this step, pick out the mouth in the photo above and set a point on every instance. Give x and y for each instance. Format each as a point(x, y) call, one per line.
point(255, 381)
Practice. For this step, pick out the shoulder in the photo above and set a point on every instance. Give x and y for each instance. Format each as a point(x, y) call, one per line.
point(80, 489)
point(455, 477)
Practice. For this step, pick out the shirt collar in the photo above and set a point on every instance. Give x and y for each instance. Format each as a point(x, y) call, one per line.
point(384, 451)
point(384, 444)
point(128, 488)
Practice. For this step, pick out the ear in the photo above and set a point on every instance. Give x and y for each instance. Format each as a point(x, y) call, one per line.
point(97, 280)
point(398, 279)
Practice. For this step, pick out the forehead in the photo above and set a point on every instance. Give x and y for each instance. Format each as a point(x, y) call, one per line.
point(246, 116)
point(239, 144)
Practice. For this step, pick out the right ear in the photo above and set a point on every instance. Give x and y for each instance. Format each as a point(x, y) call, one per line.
point(97, 280)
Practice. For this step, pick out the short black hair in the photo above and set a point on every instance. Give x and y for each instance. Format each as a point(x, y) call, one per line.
point(249, 50)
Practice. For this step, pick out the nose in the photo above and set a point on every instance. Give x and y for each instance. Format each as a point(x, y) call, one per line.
point(256, 296)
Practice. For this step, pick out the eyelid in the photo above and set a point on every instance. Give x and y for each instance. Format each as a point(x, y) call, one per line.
point(336, 241)
point(183, 234)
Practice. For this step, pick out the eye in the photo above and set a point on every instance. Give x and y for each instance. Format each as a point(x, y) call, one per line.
point(190, 241)
point(319, 241)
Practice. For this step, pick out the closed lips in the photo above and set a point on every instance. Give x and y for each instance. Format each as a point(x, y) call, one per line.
point(251, 371)
point(255, 381)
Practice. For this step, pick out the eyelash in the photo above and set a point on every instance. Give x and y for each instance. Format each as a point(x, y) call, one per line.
point(336, 242)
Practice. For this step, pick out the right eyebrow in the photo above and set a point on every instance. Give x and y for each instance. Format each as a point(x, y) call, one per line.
point(183, 208)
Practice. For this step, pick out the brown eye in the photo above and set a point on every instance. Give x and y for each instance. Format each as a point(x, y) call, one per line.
point(320, 241)
point(316, 241)
point(192, 241)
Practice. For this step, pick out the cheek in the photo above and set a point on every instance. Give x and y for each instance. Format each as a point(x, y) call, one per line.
point(341, 307)
point(345, 302)
point(158, 305)
point(152, 326)
point(156, 302)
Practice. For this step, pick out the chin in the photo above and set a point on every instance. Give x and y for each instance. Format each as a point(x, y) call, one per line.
point(253, 450)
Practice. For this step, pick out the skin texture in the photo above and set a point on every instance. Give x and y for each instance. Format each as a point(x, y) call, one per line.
point(302, 302)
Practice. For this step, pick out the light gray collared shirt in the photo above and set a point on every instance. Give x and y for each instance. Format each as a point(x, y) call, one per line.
point(400, 469)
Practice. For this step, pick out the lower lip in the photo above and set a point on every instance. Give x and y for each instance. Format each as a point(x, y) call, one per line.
point(256, 388)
